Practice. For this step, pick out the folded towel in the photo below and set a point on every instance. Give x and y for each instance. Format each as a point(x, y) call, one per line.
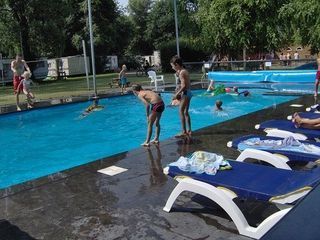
point(287, 144)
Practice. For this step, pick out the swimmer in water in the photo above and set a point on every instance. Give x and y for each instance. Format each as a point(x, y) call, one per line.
point(245, 93)
point(218, 106)
point(92, 108)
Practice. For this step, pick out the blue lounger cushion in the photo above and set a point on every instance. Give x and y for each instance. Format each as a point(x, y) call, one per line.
point(310, 115)
point(253, 181)
point(289, 126)
point(292, 155)
point(314, 108)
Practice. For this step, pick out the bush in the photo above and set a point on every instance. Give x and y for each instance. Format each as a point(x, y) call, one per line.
point(188, 52)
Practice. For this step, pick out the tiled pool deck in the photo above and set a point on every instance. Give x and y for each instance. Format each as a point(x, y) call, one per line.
point(81, 203)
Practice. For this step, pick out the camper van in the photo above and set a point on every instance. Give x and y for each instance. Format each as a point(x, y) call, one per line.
point(39, 70)
point(68, 66)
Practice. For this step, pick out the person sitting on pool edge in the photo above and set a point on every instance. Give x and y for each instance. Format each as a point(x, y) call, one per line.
point(218, 106)
point(245, 93)
point(93, 107)
point(153, 102)
point(306, 122)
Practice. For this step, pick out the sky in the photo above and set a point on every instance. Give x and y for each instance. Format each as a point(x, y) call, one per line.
point(123, 3)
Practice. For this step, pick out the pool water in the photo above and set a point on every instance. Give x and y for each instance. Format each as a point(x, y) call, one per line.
point(44, 141)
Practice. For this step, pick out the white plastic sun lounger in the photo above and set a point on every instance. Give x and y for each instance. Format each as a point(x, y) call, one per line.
point(246, 181)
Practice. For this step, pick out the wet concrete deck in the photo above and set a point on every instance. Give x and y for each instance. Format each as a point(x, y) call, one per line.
point(81, 203)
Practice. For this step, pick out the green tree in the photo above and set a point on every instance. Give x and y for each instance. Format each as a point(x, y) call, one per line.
point(110, 27)
point(303, 19)
point(138, 12)
point(33, 27)
point(9, 39)
point(46, 20)
point(160, 23)
point(18, 10)
point(228, 26)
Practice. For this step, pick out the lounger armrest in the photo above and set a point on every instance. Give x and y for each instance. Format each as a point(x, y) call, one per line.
point(278, 162)
point(166, 170)
point(284, 134)
point(291, 197)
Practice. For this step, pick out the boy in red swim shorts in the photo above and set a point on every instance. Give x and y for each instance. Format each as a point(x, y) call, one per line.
point(18, 67)
point(154, 108)
point(317, 78)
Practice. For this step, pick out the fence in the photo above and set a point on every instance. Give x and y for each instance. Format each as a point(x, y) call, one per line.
point(252, 65)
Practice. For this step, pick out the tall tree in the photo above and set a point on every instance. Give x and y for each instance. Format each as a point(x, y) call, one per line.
point(109, 26)
point(139, 10)
point(229, 26)
point(19, 9)
point(303, 18)
point(9, 39)
point(160, 23)
point(46, 21)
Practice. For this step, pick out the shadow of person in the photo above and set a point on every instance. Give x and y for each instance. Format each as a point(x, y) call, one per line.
point(157, 177)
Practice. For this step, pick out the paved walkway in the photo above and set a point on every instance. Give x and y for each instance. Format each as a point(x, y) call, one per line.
point(83, 204)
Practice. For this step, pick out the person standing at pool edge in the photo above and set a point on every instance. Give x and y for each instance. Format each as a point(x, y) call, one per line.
point(18, 66)
point(123, 78)
point(184, 93)
point(317, 78)
point(153, 102)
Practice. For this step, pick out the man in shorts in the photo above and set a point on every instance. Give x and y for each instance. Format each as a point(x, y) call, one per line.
point(18, 67)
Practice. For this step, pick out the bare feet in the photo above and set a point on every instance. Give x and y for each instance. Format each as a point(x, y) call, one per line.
point(145, 144)
point(155, 141)
point(18, 109)
point(181, 135)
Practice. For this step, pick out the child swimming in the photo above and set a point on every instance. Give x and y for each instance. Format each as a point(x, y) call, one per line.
point(218, 106)
point(245, 93)
point(94, 107)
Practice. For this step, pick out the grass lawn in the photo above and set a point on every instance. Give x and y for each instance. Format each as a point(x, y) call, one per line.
point(75, 86)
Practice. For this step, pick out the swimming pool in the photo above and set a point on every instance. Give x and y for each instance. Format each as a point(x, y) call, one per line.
point(45, 141)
